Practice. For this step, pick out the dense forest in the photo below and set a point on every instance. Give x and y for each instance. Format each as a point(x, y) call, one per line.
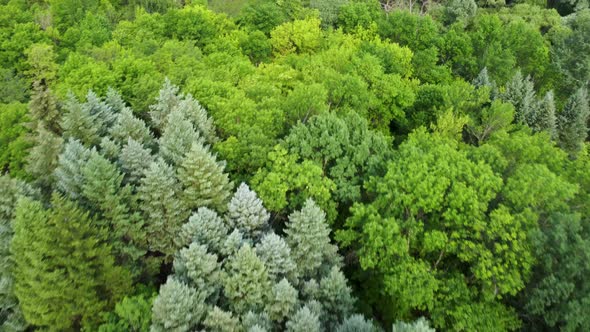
point(294, 165)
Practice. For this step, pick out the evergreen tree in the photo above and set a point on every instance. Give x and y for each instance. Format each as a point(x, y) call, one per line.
point(64, 272)
point(335, 297)
point(520, 92)
point(11, 318)
point(178, 137)
point(233, 243)
point(247, 285)
point(204, 227)
point(304, 320)
point(43, 108)
point(199, 268)
point(483, 80)
point(544, 118)
point(178, 308)
point(43, 156)
point(127, 126)
point(421, 325)
point(135, 159)
point(166, 102)
point(114, 100)
point(102, 113)
point(102, 188)
point(109, 148)
point(246, 213)
point(81, 121)
point(282, 301)
point(308, 236)
point(203, 180)
point(356, 323)
point(194, 112)
point(162, 210)
point(572, 122)
point(221, 321)
point(68, 174)
point(276, 256)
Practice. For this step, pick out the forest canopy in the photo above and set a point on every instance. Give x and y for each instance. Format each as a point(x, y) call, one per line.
point(303, 165)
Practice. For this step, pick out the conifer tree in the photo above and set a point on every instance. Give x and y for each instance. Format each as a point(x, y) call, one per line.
point(247, 285)
point(572, 122)
point(356, 323)
point(43, 156)
point(520, 92)
point(126, 126)
point(178, 308)
point(11, 318)
point(64, 272)
point(282, 301)
point(114, 100)
point(199, 268)
point(246, 213)
point(166, 102)
point(109, 148)
point(79, 123)
point(160, 204)
point(102, 113)
point(335, 297)
point(135, 159)
point(102, 188)
point(204, 227)
point(194, 112)
point(43, 108)
point(304, 320)
point(420, 325)
point(544, 118)
point(308, 236)
point(221, 321)
point(276, 256)
point(203, 180)
point(483, 80)
point(178, 137)
point(68, 174)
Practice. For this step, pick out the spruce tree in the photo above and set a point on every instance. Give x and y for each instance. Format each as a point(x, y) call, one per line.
point(68, 174)
point(11, 318)
point(276, 256)
point(43, 108)
point(177, 139)
point(483, 80)
point(572, 122)
point(247, 285)
point(544, 118)
point(194, 112)
point(102, 113)
point(199, 269)
point(204, 227)
point(335, 297)
point(114, 100)
point(43, 157)
point(304, 320)
point(246, 213)
point(178, 308)
point(166, 102)
point(134, 159)
point(78, 123)
point(203, 180)
point(127, 126)
point(162, 210)
point(308, 236)
point(520, 92)
point(282, 301)
point(103, 190)
point(64, 273)
point(221, 321)
point(356, 323)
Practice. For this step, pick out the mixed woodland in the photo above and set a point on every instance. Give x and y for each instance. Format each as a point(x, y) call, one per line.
point(294, 165)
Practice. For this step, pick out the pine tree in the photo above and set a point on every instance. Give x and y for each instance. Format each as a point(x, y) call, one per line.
point(544, 119)
point(166, 102)
point(221, 321)
point(162, 211)
point(520, 92)
point(178, 137)
point(572, 122)
point(233, 243)
point(282, 301)
point(68, 174)
point(246, 213)
point(308, 236)
point(260, 319)
point(276, 256)
point(11, 318)
point(199, 269)
point(134, 160)
point(102, 188)
point(109, 148)
point(204, 227)
point(194, 112)
point(178, 308)
point(114, 100)
point(203, 180)
point(43, 108)
point(65, 275)
point(483, 80)
point(247, 285)
point(304, 321)
point(127, 126)
point(102, 113)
